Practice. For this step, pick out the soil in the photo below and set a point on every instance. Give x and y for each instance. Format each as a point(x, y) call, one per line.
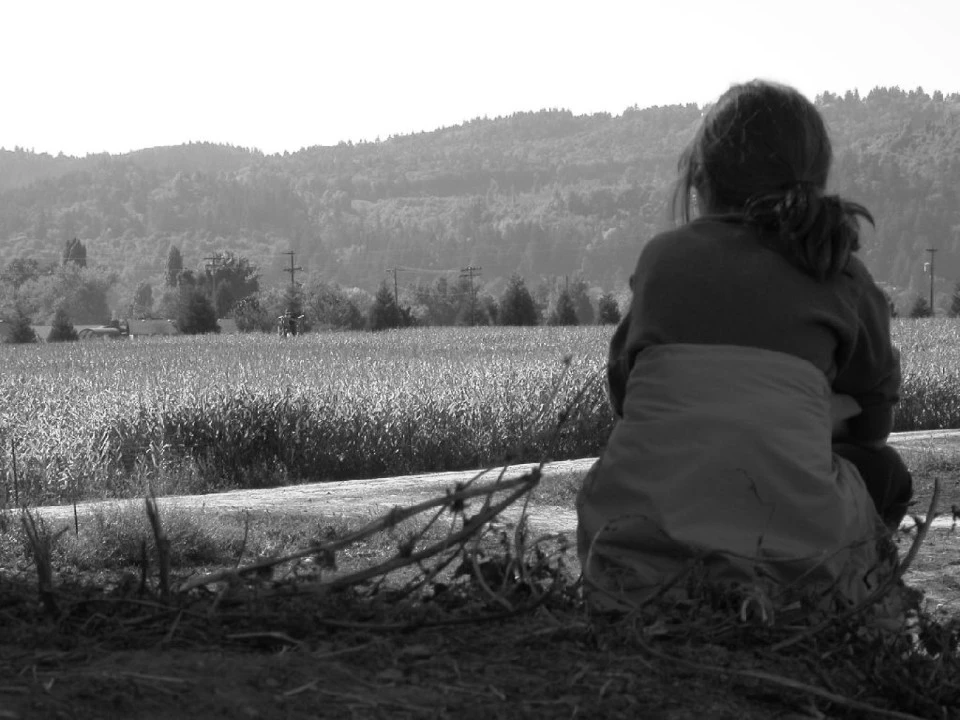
point(544, 663)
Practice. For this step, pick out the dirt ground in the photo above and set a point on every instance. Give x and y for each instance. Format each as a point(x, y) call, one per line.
point(139, 659)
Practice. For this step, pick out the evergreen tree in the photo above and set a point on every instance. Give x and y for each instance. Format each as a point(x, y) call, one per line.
point(196, 314)
point(384, 313)
point(608, 312)
point(21, 331)
point(517, 306)
point(564, 311)
point(954, 310)
point(174, 266)
point(920, 308)
point(62, 329)
point(74, 252)
point(142, 300)
point(580, 296)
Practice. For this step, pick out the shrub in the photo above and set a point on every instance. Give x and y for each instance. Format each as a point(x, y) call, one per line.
point(62, 329)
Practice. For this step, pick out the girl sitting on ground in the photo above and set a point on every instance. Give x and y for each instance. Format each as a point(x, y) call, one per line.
point(753, 378)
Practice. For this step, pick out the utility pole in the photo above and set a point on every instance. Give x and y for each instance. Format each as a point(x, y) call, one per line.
point(292, 312)
point(931, 251)
point(216, 261)
point(396, 291)
point(471, 272)
point(292, 270)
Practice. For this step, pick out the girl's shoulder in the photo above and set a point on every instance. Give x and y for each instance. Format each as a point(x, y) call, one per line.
point(857, 273)
point(701, 230)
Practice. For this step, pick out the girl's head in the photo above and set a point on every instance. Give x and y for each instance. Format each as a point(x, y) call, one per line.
point(763, 152)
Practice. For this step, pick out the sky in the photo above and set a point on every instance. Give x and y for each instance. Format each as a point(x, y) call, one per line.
point(98, 76)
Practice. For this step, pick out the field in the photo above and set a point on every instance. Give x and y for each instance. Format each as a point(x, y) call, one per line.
point(192, 415)
point(111, 614)
point(200, 414)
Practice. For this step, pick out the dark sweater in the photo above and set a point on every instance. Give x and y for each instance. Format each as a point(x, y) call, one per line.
point(719, 282)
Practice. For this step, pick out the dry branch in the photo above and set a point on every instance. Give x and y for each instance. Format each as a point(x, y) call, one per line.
point(391, 519)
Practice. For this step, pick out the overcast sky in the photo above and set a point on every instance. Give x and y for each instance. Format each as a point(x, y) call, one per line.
point(95, 76)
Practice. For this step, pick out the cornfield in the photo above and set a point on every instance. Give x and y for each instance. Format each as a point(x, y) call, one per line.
point(108, 419)
point(188, 414)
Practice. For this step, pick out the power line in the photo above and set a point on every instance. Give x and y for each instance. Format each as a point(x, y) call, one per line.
point(449, 271)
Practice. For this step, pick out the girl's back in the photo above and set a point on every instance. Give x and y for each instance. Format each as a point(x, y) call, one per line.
point(743, 324)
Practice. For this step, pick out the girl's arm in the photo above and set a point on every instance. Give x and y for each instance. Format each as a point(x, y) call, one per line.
point(842, 409)
point(617, 367)
point(871, 373)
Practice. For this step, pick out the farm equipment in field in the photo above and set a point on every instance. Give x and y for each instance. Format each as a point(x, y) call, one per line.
point(289, 325)
point(114, 331)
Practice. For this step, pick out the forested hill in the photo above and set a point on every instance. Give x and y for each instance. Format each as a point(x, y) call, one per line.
point(544, 193)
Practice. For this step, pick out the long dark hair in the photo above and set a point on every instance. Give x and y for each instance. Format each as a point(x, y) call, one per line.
point(762, 152)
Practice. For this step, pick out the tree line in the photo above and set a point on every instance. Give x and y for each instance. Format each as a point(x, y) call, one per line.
point(227, 285)
point(544, 194)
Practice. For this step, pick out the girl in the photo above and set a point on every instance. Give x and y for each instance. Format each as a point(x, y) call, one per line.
point(754, 332)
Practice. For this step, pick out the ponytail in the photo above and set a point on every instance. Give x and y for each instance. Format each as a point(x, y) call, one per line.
point(817, 233)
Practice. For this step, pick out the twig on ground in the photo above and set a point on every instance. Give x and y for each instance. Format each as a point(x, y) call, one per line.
point(470, 528)
point(389, 520)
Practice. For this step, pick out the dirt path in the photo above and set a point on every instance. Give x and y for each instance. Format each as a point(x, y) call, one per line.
point(367, 498)
point(936, 570)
